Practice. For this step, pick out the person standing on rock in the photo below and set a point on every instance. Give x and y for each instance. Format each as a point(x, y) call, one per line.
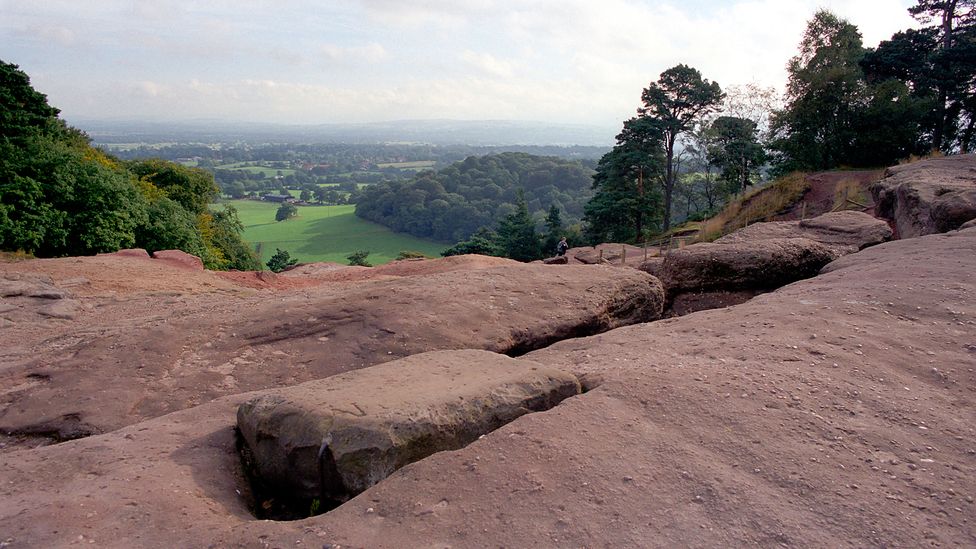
point(562, 246)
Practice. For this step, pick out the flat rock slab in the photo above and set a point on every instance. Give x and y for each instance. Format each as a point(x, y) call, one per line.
point(122, 361)
point(336, 437)
point(733, 266)
point(843, 232)
point(930, 196)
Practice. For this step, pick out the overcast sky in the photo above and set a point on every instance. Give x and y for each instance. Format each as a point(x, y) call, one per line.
point(302, 61)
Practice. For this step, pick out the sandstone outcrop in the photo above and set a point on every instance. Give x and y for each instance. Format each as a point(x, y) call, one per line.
point(759, 258)
point(739, 265)
point(843, 232)
point(837, 408)
point(180, 259)
point(333, 438)
point(929, 196)
point(124, 358)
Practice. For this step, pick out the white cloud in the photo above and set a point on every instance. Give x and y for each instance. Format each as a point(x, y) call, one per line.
point(370, 53)
point(488, 64)
point(312, 61)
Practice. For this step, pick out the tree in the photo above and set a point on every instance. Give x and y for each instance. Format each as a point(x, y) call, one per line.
point(677, 101)
point(817, 128)
point(516, 233)
point(702, 180)
point(358, 258)
point(953, 23)
point(484, 241)
point(554, 229)
point(286, 211)
point(754, 102)
point(305, 195)
point(23, 110)
point(625, 200)
point(736, 150)
point(280, 261)
point(192, 188)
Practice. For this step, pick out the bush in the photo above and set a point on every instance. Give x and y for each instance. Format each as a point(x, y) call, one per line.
point(359, 259)
point(280, 261)
point(411, 254)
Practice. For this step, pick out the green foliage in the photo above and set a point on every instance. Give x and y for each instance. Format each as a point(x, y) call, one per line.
point(358, 258)
point(23, 110)
point(949, 69)
point(286, 211)
point(192, 188)
point(411, 254)
point(170, 226)
point(734, 147)
point(626, 199)
point(554, 230)
point(451, 204)
point(280, 261)
point(224, 236)
point(484, 242)
point(59, 196)
point(517, 237)
point(676, 103)
point(817, 128)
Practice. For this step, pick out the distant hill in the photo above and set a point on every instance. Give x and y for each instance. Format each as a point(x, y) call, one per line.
point(436, 132)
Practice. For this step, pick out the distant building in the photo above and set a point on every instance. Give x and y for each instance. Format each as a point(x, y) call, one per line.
point(278, 197)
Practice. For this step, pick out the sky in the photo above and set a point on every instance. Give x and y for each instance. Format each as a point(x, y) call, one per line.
point(330, 61)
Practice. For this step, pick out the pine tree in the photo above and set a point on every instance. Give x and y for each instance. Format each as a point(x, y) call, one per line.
point(516, 233)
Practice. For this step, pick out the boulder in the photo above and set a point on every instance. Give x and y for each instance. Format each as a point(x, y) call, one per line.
point(844, 231)
point(179, 258)
point(733, 266)
point(558, 260)
point(929, 196)
point(333, 438)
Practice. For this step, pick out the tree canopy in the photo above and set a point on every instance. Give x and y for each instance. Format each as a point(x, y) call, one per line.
point(677, 102)
point(451, 204)
point(60, 196)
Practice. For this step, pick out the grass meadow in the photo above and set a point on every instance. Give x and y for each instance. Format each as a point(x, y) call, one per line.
point(324, 233)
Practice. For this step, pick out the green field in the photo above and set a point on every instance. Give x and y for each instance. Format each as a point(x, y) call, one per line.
point(265, 171)
point(324, 233)
point(416, 165)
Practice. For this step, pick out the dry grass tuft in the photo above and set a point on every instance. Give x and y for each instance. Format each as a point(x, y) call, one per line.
point(849, 195)
point(758, 205)
point(11, 257)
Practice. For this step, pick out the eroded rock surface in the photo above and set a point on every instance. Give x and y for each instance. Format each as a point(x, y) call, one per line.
point(739, 265)
point(837, 408)
point(334, 438)
point(843, 232)
point(125, 353)
point(929, 196)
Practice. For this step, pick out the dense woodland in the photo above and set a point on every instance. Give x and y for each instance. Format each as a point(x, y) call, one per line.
point(59, 196)
point(452, 203)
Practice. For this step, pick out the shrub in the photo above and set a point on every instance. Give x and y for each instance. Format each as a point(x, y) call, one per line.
point(359, 258)
point(280, 261)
